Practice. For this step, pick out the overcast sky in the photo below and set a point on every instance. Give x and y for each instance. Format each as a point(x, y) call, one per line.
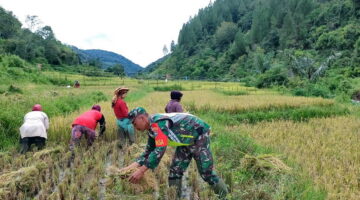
point(136, 29)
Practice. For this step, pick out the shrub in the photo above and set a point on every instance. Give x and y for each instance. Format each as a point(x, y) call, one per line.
point(13, 61)
point(274, 76)
point(169, 88)
point(13, 89)
point(234, 93)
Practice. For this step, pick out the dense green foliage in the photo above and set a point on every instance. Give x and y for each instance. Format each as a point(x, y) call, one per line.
point(36, 46)
point(107, 59)
point(254, 116)
point(117, 69)
point(169, 87)
point(13, 69)
point(309, 45)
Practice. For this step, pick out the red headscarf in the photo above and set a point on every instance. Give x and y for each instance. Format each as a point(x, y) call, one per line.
point(37, 107)
point(96, 107)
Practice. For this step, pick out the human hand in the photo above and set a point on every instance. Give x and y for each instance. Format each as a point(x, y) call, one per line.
point(137, 175)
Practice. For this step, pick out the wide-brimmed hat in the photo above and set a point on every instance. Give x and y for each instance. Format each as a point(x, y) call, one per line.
point(121, 90)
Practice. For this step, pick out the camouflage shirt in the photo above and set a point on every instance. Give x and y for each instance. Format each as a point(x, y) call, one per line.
point(173, 129)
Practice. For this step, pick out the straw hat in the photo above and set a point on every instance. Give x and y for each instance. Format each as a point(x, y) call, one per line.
point(121, 90)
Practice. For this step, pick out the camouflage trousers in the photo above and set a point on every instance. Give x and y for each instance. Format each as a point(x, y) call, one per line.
point(200, 151)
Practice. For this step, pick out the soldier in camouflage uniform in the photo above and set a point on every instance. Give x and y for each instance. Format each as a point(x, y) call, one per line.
point(191, 137)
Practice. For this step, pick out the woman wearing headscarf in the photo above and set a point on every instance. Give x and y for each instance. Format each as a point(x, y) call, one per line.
point(85, 124)
point(34, 129)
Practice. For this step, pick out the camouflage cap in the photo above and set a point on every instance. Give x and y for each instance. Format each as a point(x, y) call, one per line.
point(135, 112)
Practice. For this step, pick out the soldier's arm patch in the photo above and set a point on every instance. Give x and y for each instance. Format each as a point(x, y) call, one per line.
point(161, 140)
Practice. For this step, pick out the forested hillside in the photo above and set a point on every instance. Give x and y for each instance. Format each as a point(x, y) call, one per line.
point(26, 47)
point(106, 59)
point(34, 44)
point(310, 46)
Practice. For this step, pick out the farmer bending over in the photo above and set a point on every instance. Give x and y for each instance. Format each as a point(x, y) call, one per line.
point(86, 124)
point(34, 129)
point(190, 136)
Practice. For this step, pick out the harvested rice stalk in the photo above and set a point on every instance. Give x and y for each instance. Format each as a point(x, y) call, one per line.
point(25, 179)
point(263, 163)
point(146, 184)
point(45, 152)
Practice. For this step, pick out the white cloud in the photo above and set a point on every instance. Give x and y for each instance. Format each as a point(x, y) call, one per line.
point(136, 29)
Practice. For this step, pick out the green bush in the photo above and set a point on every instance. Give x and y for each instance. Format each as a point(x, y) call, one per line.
point(59, 81)
point(16, 73)
point(13, 61)
point(275, 76)
point(13, 89)
point(234, 117)
point(168, 88)
point(233, 92)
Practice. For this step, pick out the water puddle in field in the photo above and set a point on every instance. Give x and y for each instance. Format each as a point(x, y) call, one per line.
point(62, 174)
point(356, 102)
point(103, 181)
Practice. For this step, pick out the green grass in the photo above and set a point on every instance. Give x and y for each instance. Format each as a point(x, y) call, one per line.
point(168, 87)
point(138, 94)
point(232, 92)
point(233, 117)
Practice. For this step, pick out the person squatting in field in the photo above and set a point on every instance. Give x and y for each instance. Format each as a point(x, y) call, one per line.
point(174, 104)
point(125, 131)
point(34, 129)
point(85, 124)
point(190, 136)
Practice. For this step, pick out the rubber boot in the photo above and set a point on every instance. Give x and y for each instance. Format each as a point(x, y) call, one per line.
point(177, 183)
point(220, 189)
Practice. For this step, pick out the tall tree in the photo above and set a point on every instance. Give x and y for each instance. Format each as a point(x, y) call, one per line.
point(172, 46)
point(117, 69)
point(225, 34)
point(165, 50)
point(9, 25)
point(46, 33)
point(261, 25)
point(32, 22)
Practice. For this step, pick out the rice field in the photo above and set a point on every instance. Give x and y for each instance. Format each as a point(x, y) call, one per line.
point(327, 150)
point(281, 159)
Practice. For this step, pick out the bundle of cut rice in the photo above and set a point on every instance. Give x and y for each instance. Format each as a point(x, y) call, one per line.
point(146, 184)
point(24, 180)
point(264, 163)
point(45, 152)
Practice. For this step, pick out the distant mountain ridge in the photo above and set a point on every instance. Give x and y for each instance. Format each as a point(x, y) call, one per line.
point(108, 59)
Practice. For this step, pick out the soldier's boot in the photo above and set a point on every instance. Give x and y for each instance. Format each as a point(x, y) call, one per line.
point(177, 183)
point(220, 189)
